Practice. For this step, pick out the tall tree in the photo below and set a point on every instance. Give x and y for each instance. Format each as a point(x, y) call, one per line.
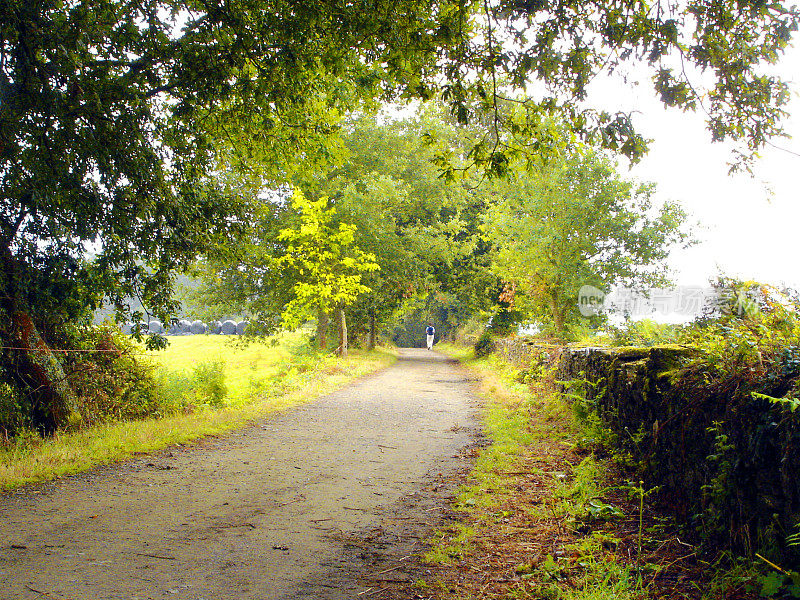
point(577, 222)
point(372, 205)
point(324, 264)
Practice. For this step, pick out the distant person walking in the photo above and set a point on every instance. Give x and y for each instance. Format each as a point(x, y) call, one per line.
point(430, 332)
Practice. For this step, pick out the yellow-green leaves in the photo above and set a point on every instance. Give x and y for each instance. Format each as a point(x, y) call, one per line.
point(323, 260)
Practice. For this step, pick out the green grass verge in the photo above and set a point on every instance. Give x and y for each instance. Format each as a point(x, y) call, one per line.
point(260, 379)
point(505, 419)
point(519, 419)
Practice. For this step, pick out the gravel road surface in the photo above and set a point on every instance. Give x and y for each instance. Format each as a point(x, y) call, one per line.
point(309, 503)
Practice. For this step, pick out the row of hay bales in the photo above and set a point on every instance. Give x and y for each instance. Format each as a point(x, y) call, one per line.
point(186, 327)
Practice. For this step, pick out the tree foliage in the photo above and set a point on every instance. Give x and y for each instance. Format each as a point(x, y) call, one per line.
point(322, 261)
point(127, 126)
point(577, 222)
point(423, 231)
point(116, 116)
point(698, 55)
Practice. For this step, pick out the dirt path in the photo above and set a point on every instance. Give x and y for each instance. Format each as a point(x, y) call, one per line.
point(305, 504)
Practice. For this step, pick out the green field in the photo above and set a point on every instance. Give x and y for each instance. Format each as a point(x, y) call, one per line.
point(260, 380)
point(250, 370)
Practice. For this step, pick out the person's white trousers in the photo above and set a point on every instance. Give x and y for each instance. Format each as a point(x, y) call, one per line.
point(430, 342)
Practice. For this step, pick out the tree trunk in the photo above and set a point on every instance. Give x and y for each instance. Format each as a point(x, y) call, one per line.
point(371, 334)
point(341, 321)
point(29, 359)
point(558, 315)
point(322, 330)
point(41, 372)
point(558, 324)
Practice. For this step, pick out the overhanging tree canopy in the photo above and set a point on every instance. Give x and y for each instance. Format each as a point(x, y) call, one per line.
point(116, 116)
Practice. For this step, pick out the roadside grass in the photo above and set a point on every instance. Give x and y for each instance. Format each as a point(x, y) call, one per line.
point(506, 417)
point(546, 514)
point(450, 544)
point(261, 380)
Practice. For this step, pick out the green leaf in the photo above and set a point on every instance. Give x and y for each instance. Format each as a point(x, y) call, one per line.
point(771, 584)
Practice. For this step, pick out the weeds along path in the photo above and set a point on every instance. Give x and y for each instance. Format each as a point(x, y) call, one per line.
point(296, 506)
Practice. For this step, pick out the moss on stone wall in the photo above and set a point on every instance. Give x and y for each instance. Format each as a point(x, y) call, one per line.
point(726, 462)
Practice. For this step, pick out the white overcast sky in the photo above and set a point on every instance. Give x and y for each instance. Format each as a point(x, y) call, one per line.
point(745, 231)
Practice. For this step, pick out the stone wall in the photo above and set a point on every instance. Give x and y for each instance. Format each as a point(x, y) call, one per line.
point(726, 463)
